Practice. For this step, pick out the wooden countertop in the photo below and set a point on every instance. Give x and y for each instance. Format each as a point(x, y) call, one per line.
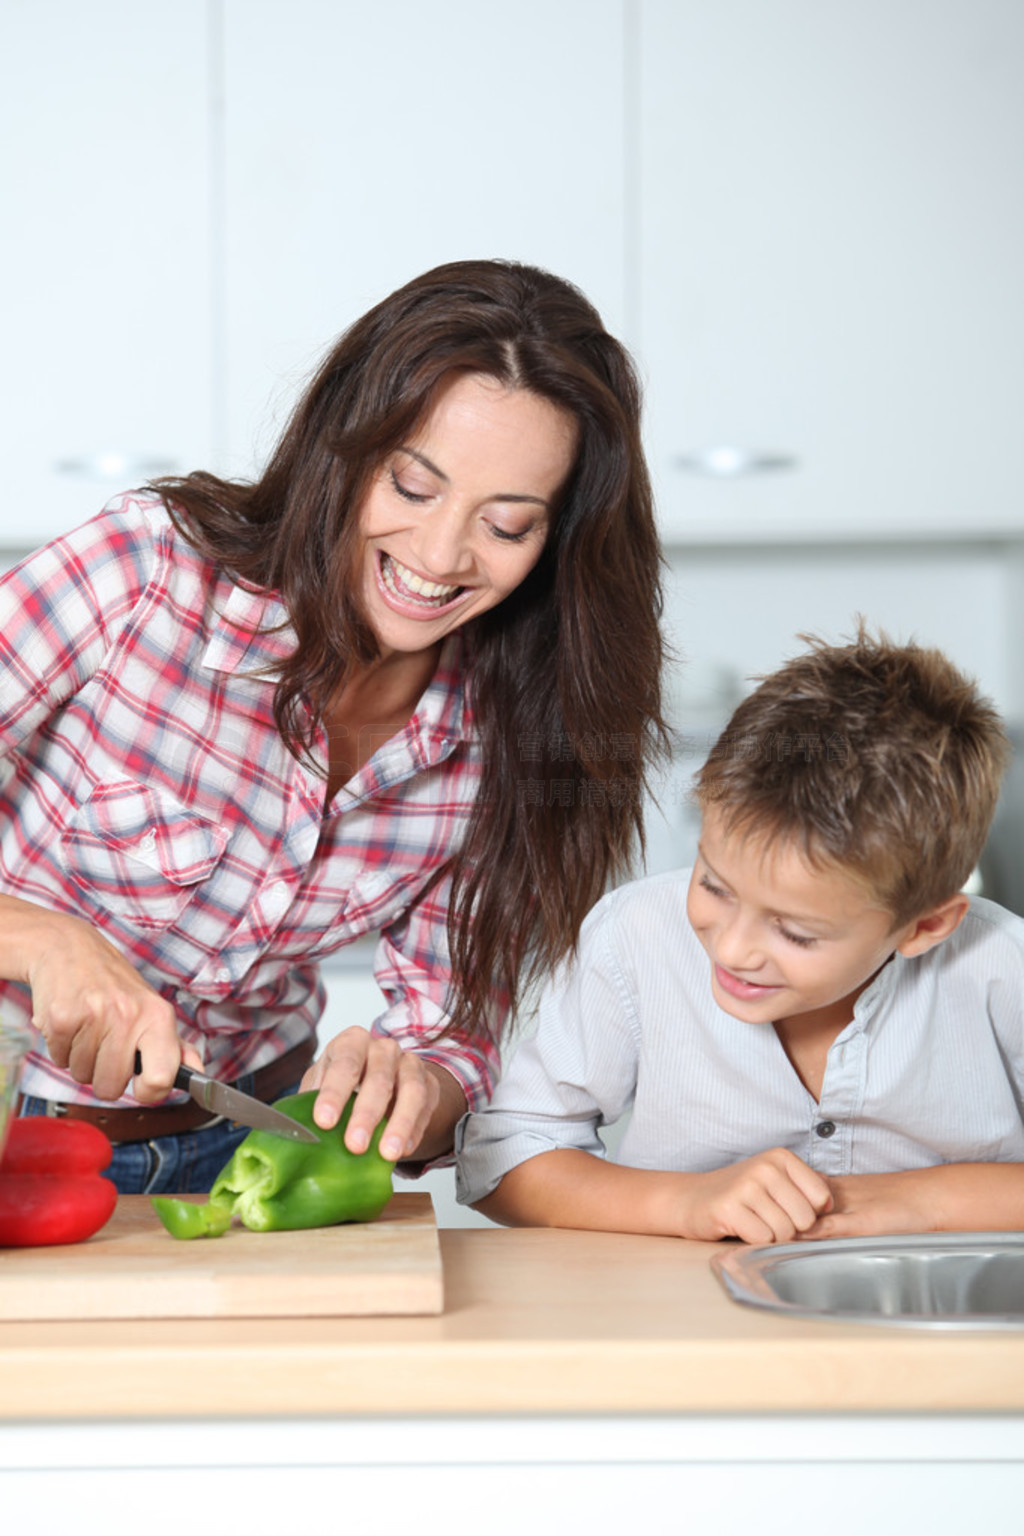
point(534, 1322)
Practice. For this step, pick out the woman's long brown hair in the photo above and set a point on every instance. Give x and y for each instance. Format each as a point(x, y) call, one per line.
point(564, 675)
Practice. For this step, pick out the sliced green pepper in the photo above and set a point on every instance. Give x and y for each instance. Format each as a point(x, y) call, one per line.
point(273, 1184)
point(192, 1218)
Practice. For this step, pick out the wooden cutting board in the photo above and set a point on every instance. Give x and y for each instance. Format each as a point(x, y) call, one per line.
point(133, 1268)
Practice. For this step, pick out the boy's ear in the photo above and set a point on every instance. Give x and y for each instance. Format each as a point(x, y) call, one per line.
point(933, 926)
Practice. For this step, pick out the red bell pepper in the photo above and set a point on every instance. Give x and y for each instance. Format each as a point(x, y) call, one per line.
point(39, 1144)
point(52, 1188)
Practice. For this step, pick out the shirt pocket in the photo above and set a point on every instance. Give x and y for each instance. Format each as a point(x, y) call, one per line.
point(375, 898)
point(138, 853)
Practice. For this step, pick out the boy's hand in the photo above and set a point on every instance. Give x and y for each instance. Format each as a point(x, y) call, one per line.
point(771, 1198)
point(879, 1204)
point(949, 1197)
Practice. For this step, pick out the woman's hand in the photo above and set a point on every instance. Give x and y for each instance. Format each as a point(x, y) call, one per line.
point(424, 1101)
point(95, 1011)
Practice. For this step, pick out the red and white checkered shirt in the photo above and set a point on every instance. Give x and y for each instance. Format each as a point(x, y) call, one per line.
point(144, 786)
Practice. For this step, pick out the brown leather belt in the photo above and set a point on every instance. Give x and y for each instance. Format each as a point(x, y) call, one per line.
point(147, 1122)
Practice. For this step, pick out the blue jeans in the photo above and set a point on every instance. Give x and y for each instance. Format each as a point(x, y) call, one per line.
point(171, 1165)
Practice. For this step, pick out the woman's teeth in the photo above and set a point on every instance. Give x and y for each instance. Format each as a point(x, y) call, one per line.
point(408, 587)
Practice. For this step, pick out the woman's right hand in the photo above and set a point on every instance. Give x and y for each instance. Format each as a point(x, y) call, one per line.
point(91, 1006)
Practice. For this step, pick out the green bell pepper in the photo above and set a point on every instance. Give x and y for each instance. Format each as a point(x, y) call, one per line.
point(273, 1184)
point(192, 1218)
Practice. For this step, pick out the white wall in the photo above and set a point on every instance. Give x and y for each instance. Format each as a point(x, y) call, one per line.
point(732, 613)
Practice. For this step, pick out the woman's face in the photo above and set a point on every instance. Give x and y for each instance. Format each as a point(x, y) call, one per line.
point(457, 517)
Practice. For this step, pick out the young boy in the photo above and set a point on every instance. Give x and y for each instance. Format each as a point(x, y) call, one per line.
point(816, 1033)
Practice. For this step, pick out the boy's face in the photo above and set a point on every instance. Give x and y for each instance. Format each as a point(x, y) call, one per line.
point(784, 939)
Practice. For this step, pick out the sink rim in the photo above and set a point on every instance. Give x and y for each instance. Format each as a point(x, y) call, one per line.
point(742, 1272)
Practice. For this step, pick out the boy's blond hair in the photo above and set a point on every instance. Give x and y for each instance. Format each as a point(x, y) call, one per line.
point(880, 758)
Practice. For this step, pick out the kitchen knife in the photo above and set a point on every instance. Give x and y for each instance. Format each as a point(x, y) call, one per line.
point(220, 1099)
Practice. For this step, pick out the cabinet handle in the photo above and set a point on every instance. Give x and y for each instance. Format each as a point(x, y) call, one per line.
point(726, 462)
point(117, 466)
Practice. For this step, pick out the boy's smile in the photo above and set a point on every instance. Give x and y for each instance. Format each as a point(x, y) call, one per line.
point(746, 991)
point(786, 940)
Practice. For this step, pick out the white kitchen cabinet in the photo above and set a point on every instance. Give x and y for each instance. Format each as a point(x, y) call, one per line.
point(831, 237)
point(105, 264)
point(728, 1474)
point(365, 144)
point(803, 214)
point(200, 194)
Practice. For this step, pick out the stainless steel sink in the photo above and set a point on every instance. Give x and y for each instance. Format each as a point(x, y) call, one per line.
point(950, 1280)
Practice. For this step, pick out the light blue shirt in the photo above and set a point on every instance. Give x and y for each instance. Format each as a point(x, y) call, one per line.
point(930, 1070)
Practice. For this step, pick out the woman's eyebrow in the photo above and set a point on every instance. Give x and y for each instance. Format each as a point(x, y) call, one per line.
point(421, 458)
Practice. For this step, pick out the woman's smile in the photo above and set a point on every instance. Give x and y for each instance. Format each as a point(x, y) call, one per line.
point(406, 592)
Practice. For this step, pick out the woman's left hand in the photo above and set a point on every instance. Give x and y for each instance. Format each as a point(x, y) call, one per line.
point(424, 1101)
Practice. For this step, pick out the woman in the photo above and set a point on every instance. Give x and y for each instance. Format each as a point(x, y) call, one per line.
point(407, 682)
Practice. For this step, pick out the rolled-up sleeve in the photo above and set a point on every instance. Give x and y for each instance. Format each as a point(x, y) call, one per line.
point(576, 1073)
point(413, 970)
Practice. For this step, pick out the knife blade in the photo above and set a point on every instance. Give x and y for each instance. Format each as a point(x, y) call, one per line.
point(221, 1099)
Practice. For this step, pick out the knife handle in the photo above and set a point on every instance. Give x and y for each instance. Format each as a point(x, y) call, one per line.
point(182, 1077)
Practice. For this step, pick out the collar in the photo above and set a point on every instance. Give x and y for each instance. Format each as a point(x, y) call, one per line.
point(443, 709)
point(441, 722)
point(876, 994)
point(251, 631)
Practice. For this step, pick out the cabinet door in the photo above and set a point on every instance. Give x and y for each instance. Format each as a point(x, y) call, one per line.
point(367, 143)
point(104, 277)
point(832, 242)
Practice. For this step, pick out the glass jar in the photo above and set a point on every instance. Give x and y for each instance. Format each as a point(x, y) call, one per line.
point(15, 1041)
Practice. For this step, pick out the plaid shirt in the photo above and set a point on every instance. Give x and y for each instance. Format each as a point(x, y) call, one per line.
point(144, 787)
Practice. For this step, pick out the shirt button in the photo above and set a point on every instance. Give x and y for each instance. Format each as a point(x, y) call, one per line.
point(276, 896)
point(826, 1128)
